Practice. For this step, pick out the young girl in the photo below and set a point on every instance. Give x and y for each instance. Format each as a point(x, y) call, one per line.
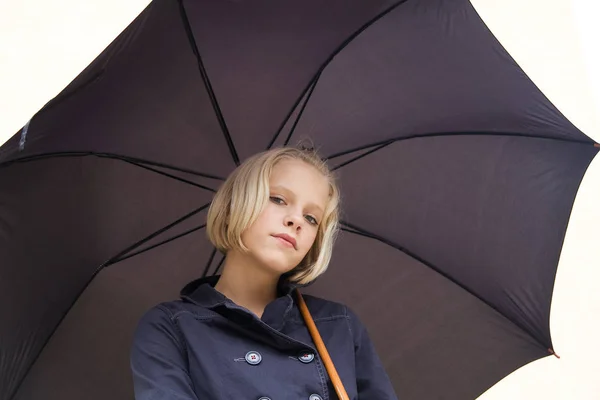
point(241, 335)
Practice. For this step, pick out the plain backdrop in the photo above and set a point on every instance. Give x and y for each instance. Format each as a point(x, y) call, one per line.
point(45, 44)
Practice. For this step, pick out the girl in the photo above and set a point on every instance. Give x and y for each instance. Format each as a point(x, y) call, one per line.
point(241, 335)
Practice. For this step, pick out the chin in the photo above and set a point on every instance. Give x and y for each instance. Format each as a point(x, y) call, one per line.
point(277, 266)
point(273, 260)
point(280, 269)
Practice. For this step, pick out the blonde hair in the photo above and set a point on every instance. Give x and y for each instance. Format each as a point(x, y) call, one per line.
point(244, 195)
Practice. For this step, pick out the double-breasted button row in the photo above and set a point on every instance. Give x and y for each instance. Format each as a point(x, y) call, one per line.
point(254, 357)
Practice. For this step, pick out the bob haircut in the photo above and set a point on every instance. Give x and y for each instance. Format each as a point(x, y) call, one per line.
point(244, 195)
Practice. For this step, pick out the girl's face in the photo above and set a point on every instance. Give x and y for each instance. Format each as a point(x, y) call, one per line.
point(298, 196)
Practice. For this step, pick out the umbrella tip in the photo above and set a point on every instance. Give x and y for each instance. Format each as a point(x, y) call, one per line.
point(597, 145)
point(553, 353)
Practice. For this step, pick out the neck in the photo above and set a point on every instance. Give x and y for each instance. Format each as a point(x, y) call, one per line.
point(251, 288)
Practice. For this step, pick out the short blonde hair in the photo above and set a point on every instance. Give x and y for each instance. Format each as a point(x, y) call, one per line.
point(244, 195)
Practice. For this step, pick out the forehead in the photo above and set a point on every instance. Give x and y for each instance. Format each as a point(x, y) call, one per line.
point(301, 180)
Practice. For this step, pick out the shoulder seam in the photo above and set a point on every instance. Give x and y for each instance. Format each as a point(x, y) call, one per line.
point(180, 335)
point(165, 310)
point(348, 321)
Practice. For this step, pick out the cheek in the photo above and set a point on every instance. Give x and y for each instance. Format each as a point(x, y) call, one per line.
point(270, 215)
point(310, 240)
point(251, 233)
point(262, 222)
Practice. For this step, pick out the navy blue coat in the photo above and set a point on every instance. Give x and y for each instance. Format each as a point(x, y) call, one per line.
point(205, 346)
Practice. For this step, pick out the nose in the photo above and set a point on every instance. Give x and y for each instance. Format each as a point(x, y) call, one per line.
point(293, 220)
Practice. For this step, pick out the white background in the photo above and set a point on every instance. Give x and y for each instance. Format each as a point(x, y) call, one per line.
point(45, 44)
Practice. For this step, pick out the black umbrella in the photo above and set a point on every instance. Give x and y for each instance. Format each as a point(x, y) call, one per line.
point(458, 177)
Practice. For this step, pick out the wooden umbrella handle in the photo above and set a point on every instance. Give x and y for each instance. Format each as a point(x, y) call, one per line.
point(314, 333)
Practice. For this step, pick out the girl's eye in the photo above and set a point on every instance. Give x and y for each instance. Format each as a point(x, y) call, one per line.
point(312, 220)
point(277, 200)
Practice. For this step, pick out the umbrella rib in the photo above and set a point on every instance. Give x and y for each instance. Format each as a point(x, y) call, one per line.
point(287, 140)
point(360, 231)
point(171, 176)
point(363, 154)
point(150, 237)
point(219, 265)
point(210, 260)
point(132, 160)
point(313, 81)
point(156, 245)
point(207, 84)
point(84, 287)
point(387, 142)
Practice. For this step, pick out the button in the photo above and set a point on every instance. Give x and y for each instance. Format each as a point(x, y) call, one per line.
point(315, 397)
point(306, 357)
point(265, 398)
point(253, 358)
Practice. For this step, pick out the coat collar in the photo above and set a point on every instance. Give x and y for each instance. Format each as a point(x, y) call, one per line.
point(202, 291)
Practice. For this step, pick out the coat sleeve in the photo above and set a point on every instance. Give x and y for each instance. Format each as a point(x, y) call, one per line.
point(158, 360)
point(372, 381)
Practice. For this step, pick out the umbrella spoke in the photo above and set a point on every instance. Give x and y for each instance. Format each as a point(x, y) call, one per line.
point(159, 244)
point(310, 92)
point(207, 84)
point(137, 244)
point(359, 231)
point(379, 145)
point(313, 82)
point(209, 262)
point(131, 160)
point(219, 265)
point(362, 154)
point(172, 176)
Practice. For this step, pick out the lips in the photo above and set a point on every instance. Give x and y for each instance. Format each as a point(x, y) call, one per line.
point(287, 238)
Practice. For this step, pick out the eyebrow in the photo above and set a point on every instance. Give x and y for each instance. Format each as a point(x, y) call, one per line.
point(278, 187)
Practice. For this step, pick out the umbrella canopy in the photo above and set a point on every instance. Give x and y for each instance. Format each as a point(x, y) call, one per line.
point(458, 178)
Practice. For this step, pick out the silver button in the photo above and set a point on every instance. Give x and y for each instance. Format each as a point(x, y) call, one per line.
point(306, 357)
point(265, 398)
point(253, 357)
point(315, 397)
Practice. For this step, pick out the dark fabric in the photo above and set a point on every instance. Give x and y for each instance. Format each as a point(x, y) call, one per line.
point(195, 349)
point(457, 174)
